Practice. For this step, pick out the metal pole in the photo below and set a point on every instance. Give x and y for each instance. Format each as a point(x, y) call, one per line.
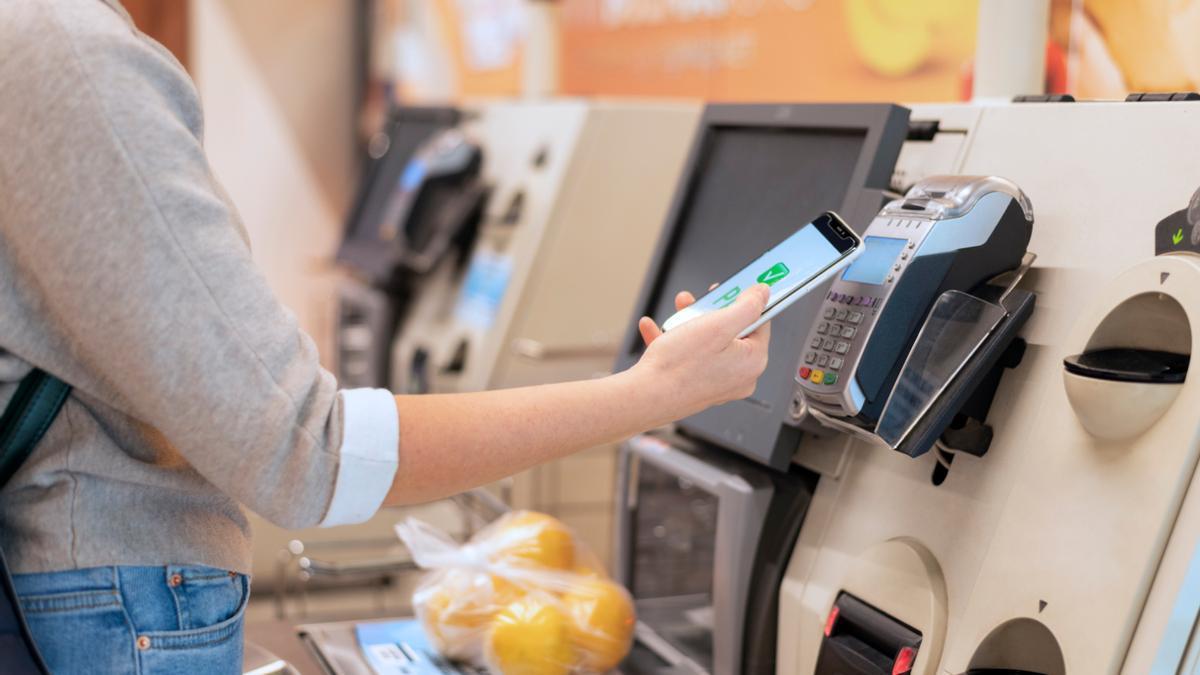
point(1010, 51)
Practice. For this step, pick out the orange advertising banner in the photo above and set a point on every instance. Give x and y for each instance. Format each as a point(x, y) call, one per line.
point(485, 39)
point(800, 50)
point(746, 50)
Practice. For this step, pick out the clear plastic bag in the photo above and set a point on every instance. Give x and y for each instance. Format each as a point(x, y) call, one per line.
point(523, 597)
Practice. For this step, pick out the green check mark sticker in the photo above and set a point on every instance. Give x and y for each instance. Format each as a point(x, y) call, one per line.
point(772, 276)
point(727, 299)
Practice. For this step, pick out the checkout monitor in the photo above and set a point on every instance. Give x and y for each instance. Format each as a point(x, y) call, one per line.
point(756, 173)
point(407, 129)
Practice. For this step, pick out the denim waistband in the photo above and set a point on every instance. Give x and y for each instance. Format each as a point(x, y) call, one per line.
point(151, 595)
point(116, 577)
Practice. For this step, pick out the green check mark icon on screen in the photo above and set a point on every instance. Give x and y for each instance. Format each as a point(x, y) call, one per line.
point(772, 276)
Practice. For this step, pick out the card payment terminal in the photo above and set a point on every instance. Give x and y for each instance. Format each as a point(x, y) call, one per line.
point(948, 232)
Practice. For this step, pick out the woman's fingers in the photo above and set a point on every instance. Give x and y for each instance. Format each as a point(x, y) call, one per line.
point(649, 330)
point(760, 341)
point(730, 321)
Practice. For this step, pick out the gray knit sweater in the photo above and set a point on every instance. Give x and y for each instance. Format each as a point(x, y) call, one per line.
point(124, 270)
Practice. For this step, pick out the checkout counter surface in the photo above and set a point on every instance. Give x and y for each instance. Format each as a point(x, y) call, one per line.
point(279, 638)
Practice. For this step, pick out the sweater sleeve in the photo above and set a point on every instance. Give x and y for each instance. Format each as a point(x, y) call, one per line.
point(129, 275)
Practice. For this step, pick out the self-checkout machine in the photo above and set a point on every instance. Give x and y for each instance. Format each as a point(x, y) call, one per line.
point(707, 512)
point(579, 193)
point(1039, 556)
point(577, 201)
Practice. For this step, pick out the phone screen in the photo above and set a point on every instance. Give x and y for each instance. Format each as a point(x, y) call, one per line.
point(786, 267)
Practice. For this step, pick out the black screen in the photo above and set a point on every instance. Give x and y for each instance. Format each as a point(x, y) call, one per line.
point(406, 137)
point(753, 187)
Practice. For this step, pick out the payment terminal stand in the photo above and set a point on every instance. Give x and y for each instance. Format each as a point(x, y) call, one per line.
point(900, 342)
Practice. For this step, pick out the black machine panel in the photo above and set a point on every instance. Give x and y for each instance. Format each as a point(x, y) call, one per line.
point(404, 217)
point(417, 199)
point(406, 130)
point(756, 173)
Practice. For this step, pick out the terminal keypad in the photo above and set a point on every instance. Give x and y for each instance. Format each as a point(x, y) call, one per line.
point(848, 315)
point(835, 336)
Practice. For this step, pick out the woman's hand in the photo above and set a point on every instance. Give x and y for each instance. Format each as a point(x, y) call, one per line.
point(703, 363)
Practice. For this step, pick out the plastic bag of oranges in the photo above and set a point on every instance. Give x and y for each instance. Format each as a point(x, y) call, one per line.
point(521, 598)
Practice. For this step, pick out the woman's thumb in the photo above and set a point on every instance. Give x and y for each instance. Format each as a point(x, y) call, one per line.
point(744, 311)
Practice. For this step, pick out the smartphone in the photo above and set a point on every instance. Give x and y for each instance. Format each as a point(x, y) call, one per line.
point(814, 253)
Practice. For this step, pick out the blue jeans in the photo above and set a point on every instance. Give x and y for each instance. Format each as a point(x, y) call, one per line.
point(137, 620)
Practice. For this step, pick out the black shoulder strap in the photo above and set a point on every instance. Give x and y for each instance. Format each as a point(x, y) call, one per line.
point(33, 407)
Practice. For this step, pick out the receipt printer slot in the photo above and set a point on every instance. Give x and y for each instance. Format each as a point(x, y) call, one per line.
point(1130, 365)
point(861, 640)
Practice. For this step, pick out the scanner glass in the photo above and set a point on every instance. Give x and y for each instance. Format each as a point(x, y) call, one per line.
point(958, 324)
point(674, 555)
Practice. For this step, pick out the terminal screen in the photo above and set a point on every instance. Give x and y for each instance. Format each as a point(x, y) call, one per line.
point(876, 260)
point(751, 188)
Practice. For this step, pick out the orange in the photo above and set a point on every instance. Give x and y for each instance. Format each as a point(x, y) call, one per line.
point(531, 636)
point(531, 538)
point(602, 623)
point(589, 571)
point(457, 608)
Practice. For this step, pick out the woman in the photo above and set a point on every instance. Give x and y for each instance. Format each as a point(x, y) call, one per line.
point(124, 271)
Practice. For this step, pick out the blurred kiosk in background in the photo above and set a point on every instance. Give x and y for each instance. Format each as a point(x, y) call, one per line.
point(420, 200)
point(579, 191)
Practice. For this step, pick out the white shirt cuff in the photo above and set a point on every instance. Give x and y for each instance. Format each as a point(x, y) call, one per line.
point(368, 457)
